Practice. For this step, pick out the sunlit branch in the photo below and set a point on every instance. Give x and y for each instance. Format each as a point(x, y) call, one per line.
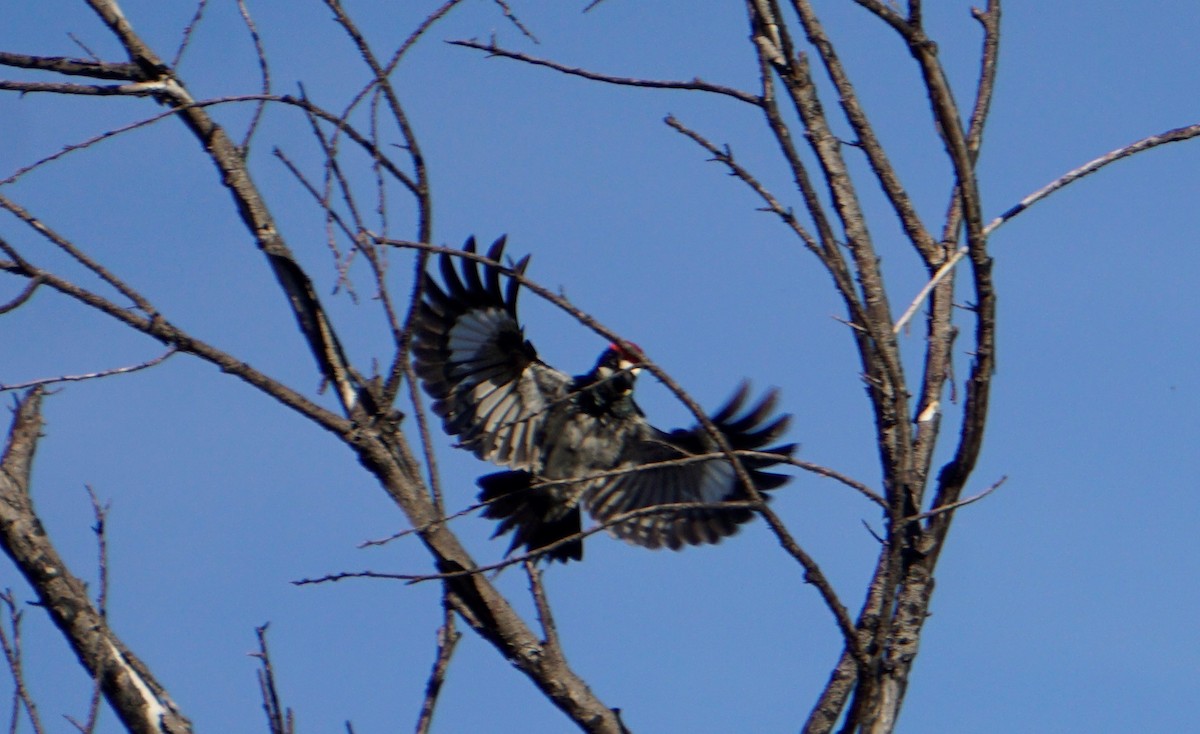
point(1170, 136)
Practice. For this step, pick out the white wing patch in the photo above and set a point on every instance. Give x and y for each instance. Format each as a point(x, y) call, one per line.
point(473, 333)
point(717, 481)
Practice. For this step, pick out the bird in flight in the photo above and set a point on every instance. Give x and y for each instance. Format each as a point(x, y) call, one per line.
point(576, 442)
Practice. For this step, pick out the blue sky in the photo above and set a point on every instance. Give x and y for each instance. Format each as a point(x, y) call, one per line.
point(1063, 599)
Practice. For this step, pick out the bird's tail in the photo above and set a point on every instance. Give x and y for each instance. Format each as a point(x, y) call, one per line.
point(533, 514)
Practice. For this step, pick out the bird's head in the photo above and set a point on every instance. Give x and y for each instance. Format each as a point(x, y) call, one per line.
point(616, 359)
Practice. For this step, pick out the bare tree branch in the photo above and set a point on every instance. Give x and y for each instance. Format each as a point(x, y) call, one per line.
point(868, 682)
point(805, 465)
point(136, 89)
point(141, 703)
point(881, 362)
point(521, 558)
point(264, 71)
point(188, 31)
point(697, 84)
point(77, 254)
point(100, 512)
point(447, 640)
point(279, 719)
point(74, 67)
point(906, 213)
point(21, 298)
point(1170, 136)
point(90, 375)
point(724, 156)
point(10, 642)
point(379, 447)
point(961, 503)
point(164, 331)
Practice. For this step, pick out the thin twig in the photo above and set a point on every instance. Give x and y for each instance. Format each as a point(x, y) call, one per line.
point(321, 200)
point(888, 15)
point(164, 331)
point(11, 644)
point(20, 299)
point(512, 18)
point(408, 43)
point(725, 157)
point(279, 719)
point(78, 255)
point(553, 645)
point(84, 144)
point(264, 71)
point(381, 198)
point(961, 503)
point(91, 375)
point(447, 639)
point(696, 84)
point(357, 137)
point(926, 289)
point(426, 436)
point(100, 512)
point(381, 73)
point(512, 560)
point(591, 476)
point(83, 47)
point(188, 31)
point(419, 31)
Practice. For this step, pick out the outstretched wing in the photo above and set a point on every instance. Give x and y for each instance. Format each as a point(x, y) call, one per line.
point(709, 482)
point(470, 352)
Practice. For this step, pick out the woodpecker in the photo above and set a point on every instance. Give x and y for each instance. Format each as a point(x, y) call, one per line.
point(555, 433)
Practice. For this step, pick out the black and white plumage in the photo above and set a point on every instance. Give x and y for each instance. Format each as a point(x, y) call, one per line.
point(554, 431)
